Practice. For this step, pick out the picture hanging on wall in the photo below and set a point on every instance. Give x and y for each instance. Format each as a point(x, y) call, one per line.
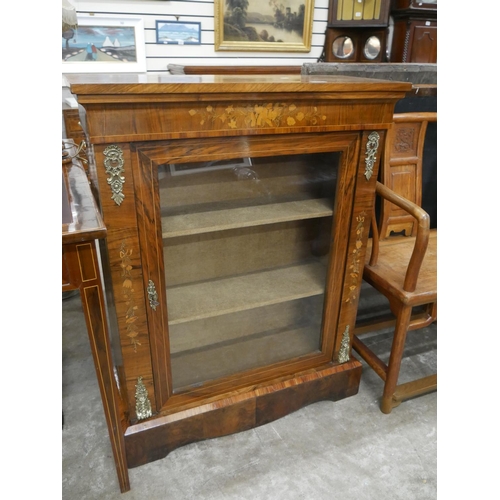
point(104, 45)
point(178, 32)
point(263, 25)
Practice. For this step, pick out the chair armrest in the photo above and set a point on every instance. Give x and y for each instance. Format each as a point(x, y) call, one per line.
point(421, 239)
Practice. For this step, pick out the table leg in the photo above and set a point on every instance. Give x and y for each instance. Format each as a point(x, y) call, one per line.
point(83, 263)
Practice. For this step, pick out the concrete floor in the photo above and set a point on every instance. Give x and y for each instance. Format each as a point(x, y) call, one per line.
point(346, 450)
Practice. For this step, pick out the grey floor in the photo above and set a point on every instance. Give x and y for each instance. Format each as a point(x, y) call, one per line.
point(346, 450)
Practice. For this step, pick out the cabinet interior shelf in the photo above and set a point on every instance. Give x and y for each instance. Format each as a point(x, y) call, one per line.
point(239, 293)
point(218, 220)
point(243, 354)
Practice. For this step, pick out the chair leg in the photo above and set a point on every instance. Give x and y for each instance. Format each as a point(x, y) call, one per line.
point(403, 316)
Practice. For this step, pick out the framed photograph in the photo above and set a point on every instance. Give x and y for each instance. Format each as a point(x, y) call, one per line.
point(178, 32)
point(263, 25)
point(104, 45)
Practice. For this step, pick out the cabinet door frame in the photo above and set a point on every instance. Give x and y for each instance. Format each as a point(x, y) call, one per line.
point(146, 158)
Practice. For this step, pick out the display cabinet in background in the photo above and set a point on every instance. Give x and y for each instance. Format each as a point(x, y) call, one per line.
point(237, 211)
point(415, 31)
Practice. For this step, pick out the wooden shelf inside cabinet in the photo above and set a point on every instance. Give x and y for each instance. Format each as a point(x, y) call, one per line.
point(239, 293)
point(234, 296)
point(220, 220)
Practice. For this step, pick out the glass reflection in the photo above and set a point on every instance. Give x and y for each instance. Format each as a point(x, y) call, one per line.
point(372, 47)
point(246, 246)
point(343, 47)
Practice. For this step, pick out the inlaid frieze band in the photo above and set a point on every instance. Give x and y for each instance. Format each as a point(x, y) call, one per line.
point(254, 116)
point(113, 163)
point(371, 153)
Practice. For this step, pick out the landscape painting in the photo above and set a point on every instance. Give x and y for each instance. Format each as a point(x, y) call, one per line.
point(177, 32)
point(264, 25)
point(103, 45)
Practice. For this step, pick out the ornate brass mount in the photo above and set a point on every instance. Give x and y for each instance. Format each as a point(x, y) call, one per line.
point(152, 295)
point(113, 164)
point(142, 403)
point(371, 152)
point(345, 347)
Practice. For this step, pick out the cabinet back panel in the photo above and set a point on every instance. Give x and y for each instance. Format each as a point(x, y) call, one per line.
point(223, 346)
point(233, 252)
point(245, 245)
point(238, 182)
point(200, 334)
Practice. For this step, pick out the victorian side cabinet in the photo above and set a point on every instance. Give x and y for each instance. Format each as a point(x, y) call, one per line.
point(237, 213)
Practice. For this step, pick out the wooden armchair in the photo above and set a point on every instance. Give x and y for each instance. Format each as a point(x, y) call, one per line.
point(402, 268)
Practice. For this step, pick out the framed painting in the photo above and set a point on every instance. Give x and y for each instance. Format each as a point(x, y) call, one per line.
point(178, 32)
point(104, 45)
point(263, 25)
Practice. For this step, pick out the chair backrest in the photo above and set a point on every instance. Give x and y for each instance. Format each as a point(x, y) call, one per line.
point(401, 169)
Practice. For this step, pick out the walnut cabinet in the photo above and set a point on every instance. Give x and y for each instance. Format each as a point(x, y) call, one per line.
point(237, 211)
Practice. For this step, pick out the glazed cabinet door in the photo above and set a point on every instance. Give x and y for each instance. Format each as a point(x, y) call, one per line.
point(244, 247)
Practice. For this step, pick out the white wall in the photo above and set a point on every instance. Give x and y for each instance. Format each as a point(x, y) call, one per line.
point(158, 56)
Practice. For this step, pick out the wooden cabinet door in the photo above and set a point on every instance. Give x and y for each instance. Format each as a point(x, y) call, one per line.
point(244, 257)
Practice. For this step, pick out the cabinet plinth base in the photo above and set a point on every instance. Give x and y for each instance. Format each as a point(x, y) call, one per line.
point(156, 438)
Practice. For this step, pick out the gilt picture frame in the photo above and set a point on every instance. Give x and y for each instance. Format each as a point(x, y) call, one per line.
point(102, 44)
point(263, 25)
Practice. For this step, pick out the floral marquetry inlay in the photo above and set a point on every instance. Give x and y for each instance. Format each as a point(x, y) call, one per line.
point(259, 116)
point(128, 294)
point(355, 266)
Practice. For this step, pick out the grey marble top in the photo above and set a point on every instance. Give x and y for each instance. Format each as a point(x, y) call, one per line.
point(415, 73)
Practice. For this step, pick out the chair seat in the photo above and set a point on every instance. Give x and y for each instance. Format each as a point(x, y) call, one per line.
point(400, 259)
point(389, 272)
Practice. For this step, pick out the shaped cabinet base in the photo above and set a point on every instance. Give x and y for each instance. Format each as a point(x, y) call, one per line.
point(154, 439)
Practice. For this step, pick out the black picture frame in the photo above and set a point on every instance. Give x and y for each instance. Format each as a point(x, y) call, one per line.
point(178, 32)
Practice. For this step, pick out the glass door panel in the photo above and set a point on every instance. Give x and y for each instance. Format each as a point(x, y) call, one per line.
point(246, 244)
